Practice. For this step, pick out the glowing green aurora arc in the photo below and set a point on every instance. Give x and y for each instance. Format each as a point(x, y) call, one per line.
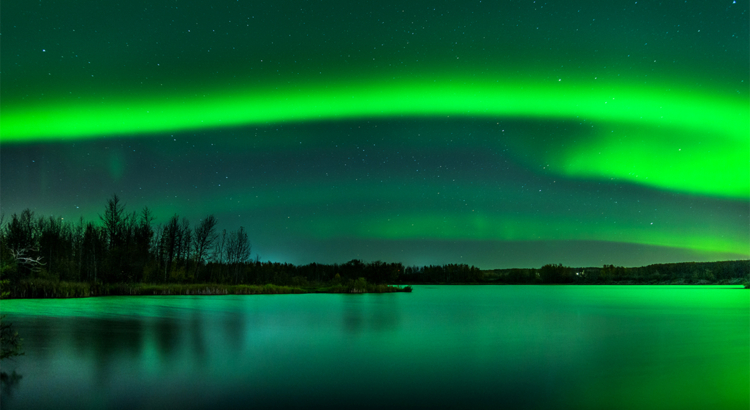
point(668, 138)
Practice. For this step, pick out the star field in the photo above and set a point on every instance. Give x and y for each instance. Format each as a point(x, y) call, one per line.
point(499, 134)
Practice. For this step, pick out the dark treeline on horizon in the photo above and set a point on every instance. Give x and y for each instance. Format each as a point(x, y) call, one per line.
point(129, 248)
point(698, 273)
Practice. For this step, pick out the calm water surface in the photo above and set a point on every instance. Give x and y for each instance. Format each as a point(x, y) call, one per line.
point(440, 346)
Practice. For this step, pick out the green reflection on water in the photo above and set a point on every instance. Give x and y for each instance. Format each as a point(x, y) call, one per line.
point(467, 346)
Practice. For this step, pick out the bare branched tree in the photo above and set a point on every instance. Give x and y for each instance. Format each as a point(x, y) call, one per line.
point(170, 240)
point(20, 255)
point(238, 250)
point(203, 238)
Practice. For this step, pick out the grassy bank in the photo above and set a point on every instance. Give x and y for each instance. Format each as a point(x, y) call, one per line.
point(49, 289)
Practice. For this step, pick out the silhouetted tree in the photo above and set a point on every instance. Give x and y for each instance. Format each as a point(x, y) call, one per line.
point(238, 250)
point(144, 235)
point(170, 240)
point(203, 239)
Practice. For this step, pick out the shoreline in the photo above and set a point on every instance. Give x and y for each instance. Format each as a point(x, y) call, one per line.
point(68, 290)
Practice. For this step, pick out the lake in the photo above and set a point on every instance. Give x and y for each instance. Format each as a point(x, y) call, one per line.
point(572, 347)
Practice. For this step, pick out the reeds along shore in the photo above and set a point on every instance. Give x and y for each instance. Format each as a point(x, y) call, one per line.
point(49, 289)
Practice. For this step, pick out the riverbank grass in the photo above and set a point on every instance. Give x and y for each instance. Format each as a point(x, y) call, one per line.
point(50, 289)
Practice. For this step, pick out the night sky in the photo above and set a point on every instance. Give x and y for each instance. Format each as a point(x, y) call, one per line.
point(494, 133)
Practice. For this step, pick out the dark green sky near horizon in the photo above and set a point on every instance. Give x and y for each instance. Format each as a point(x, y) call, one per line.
point(499, 134)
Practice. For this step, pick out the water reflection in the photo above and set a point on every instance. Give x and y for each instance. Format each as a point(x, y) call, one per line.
point(197, 337)
point(234, 326)
point(465, 347)
point(166, 333)
point(370, 313)
point(353, 315)
point(8, 383)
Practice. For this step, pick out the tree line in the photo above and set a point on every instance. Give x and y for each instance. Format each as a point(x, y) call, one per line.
point(700, 273)
point(128, 247)
point(122, 247)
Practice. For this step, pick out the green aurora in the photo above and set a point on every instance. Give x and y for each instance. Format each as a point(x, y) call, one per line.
point(712, 131)
point(388, 124)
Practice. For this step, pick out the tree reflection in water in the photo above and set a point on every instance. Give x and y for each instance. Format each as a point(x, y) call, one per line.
point(8, 383)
